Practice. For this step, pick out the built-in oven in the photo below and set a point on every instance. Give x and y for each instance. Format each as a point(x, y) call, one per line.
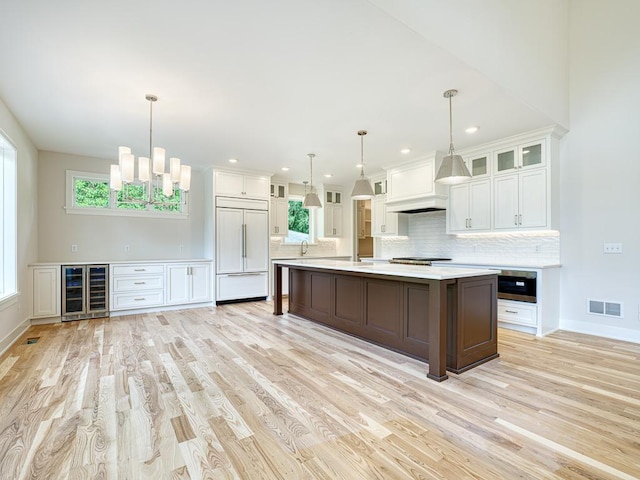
point(518, 285)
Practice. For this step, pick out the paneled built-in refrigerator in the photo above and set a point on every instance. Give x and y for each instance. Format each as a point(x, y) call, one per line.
point(85, 291)
point(242, 249)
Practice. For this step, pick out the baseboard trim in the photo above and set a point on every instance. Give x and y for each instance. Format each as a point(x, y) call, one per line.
point(606, 331)
point(14, 335)
point(163, 308)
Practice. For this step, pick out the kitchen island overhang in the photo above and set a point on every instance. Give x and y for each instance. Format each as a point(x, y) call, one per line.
point(446, 316)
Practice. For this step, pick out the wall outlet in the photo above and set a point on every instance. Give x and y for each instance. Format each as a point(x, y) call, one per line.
point(127, 248)
point(74, 248)
point(612, 248)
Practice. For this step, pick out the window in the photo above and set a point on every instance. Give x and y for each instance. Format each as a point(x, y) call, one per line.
point(89, 193)
point(300, 222)
point(8, 214)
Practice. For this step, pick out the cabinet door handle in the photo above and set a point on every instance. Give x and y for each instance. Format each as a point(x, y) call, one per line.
point(469, 223)
point(139, 283)
point(139, 269)
point(515, 219)
point(511, 311)
point(139, 299)
point(520, 219)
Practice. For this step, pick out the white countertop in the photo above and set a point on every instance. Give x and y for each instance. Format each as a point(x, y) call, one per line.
point(501, 264)
point(412, 271)
point(119, 262)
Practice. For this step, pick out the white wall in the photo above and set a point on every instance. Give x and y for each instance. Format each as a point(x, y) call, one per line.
point(102, 237)
point(600, 177)
point(520, 45)
point(13, 317)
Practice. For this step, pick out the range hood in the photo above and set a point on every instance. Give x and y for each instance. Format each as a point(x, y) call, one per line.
point(433, 203)
point(411, 186)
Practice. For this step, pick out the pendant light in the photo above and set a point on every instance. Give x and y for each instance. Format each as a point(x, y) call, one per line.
point(311, 199)
point(452, 169)
point(362, 189)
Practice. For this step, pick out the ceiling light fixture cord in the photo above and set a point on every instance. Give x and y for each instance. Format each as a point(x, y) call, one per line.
point(450, 127)
point(361, 154)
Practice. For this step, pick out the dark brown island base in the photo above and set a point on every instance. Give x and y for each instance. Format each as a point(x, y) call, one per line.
point(446, 316)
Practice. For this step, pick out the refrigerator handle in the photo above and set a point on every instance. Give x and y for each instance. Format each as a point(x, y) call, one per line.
point(244, 240)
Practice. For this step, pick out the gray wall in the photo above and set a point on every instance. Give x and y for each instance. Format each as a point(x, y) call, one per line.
point(102, 237)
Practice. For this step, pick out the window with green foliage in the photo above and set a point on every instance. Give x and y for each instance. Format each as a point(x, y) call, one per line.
point(299, 225)
point(90, 193)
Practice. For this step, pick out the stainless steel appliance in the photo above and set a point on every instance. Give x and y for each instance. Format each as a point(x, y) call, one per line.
point(85, 291)
point(518, 285)
point(417, 260)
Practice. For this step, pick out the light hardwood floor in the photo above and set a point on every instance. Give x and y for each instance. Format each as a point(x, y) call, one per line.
point(234, 392)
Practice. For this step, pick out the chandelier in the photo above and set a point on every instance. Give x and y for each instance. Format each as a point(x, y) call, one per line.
point(159, 187)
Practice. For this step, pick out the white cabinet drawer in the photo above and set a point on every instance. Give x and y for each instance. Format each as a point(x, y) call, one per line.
point(137, 283)
point(126, 301)
point(139, 269)
point(231, 287)
point(517, 312)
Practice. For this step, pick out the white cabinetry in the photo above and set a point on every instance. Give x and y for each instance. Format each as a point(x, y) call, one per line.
point(279, 217)
point(45, 291)
point(188, 283)
point(520, 200)
point(385, 223)
point(240, 185)
point(518, 313)
point(531, 154)
point(136, 286)
point(469, 207)
point(332, 214)
point(242, 249)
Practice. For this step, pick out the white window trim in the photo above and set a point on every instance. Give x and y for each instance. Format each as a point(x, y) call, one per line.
point(9, 226)
point(111, 210)
point(312, 222)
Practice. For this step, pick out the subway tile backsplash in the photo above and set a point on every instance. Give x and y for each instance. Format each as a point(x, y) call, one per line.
point(427, 238)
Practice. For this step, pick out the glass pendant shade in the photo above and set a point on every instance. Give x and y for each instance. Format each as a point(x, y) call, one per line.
point(144, 175)
point(126, 167)
point(174, 169)
point(452, 170)
point(185, 178)
point(115, 179)
point(311, 200)
point(362, 189)
point(167, 187)
point(158, 160)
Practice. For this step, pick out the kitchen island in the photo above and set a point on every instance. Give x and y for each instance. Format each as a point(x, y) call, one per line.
point(446, 316)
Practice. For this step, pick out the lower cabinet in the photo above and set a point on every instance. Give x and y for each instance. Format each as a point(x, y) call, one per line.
point(44, 287)
point(240, 286)
point(140, 286)
point(518, 313)
point(135, 286)
point(188, 283)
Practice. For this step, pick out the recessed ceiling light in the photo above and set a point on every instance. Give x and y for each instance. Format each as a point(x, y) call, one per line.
point(233, 160)
point(359, 165)
point(472, 129)
point(285, 169)
point(328, 175)
point(404, 151)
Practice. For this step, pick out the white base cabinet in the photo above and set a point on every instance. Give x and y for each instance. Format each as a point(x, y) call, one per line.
point(45, 291)
point(188, 283)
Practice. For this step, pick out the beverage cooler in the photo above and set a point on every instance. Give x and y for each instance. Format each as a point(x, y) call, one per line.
point(85, 291)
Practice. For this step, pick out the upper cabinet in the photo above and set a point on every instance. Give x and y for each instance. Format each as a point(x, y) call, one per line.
point(514, 185)
point(525, 156)
point(234, 184)
point(331, 219)
point(279, 217)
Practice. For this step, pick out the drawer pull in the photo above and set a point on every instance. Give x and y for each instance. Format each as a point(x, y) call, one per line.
point(139, 299)
point(139, 283)
point(511, 311)
point(139, 269)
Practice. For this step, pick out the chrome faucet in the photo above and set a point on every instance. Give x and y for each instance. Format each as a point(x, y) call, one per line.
point(304, 247)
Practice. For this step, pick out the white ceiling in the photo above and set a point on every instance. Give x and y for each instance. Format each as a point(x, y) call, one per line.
point(264, 82)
